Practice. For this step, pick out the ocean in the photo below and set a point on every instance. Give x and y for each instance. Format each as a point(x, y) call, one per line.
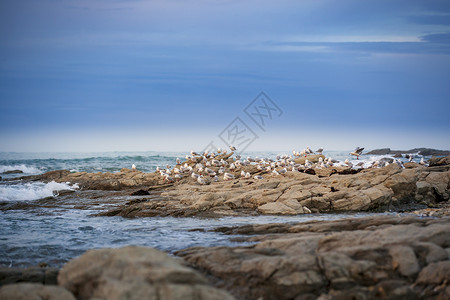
point(39, 232)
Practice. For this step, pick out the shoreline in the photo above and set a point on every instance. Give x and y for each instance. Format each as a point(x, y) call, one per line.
point(401, 255)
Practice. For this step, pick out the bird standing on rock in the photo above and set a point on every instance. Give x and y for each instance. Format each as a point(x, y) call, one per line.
point(232, 148)
point(133, 167)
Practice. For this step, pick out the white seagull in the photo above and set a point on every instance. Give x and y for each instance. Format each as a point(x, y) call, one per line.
point(358, 151)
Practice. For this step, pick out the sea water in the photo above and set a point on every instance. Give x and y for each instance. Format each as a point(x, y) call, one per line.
point(54, 234)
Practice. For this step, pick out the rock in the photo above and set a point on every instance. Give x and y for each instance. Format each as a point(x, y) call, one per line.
point(420, 151)
point(134, 273)
point(435, 273)
point(382, 151)
point(312, 158)
point(140, 193)
point(32, 274)
point(374, 257)
point(279, 208)
point(439, 161)
point(13, 172)
point(405, 260)
point(35, 291)
point(411, 165)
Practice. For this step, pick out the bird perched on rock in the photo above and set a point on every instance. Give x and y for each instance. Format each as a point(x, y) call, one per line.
point(259, 177)
point(133, 167)
point(178, 161)
point(320, 150)
point(228, 176)
point(358, 151)
point(201, 180)
point(232, 148)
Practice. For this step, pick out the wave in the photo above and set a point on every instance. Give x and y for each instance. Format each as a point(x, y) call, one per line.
point(22, 167)
point(32, 190)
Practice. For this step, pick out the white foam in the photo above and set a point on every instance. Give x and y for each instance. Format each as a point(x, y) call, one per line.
point(24, 168)
point(32, 190)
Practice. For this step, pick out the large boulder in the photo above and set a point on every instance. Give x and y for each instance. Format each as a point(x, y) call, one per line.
point(134, 273)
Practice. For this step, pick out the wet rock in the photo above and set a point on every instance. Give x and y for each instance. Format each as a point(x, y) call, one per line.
point(134, 273)
point(13, 172)
point(27, 291)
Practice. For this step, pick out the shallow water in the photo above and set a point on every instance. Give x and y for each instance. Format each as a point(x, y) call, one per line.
point(55, 235)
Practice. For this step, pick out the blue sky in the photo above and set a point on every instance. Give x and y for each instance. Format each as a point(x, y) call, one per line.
point(130, 75)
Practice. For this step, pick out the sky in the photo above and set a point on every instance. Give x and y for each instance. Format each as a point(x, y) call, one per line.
point(131, 75)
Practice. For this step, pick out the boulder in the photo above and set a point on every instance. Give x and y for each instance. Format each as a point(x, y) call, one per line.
point(439, 161)
point(34, 291)
point(134, 273)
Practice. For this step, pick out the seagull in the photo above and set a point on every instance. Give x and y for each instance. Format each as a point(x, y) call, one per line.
point(422, 161)
point(275, 173)
point(348, 163)
point(195, 176)
point(133, 167)
point(202, 180)
point(178, 161)
point(216, 178)
point(358, 151)
point(169, 179)
point(247, 175)
point(178, 176)
point(282, 171)
point(193, 153)
point(232, 148)
point(320, 150)
point(228, 176)
point(259, 177)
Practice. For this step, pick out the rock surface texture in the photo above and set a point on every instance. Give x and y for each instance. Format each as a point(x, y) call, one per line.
point(134, 273)
point(387, 257)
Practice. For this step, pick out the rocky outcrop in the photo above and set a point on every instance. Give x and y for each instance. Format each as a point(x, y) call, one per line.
point(296, 193)
point(387, 257)
point(134, 273)
point(331, 189)
point(420, 151)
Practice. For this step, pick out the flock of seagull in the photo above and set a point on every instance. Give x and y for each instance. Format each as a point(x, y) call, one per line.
point(207, 167)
